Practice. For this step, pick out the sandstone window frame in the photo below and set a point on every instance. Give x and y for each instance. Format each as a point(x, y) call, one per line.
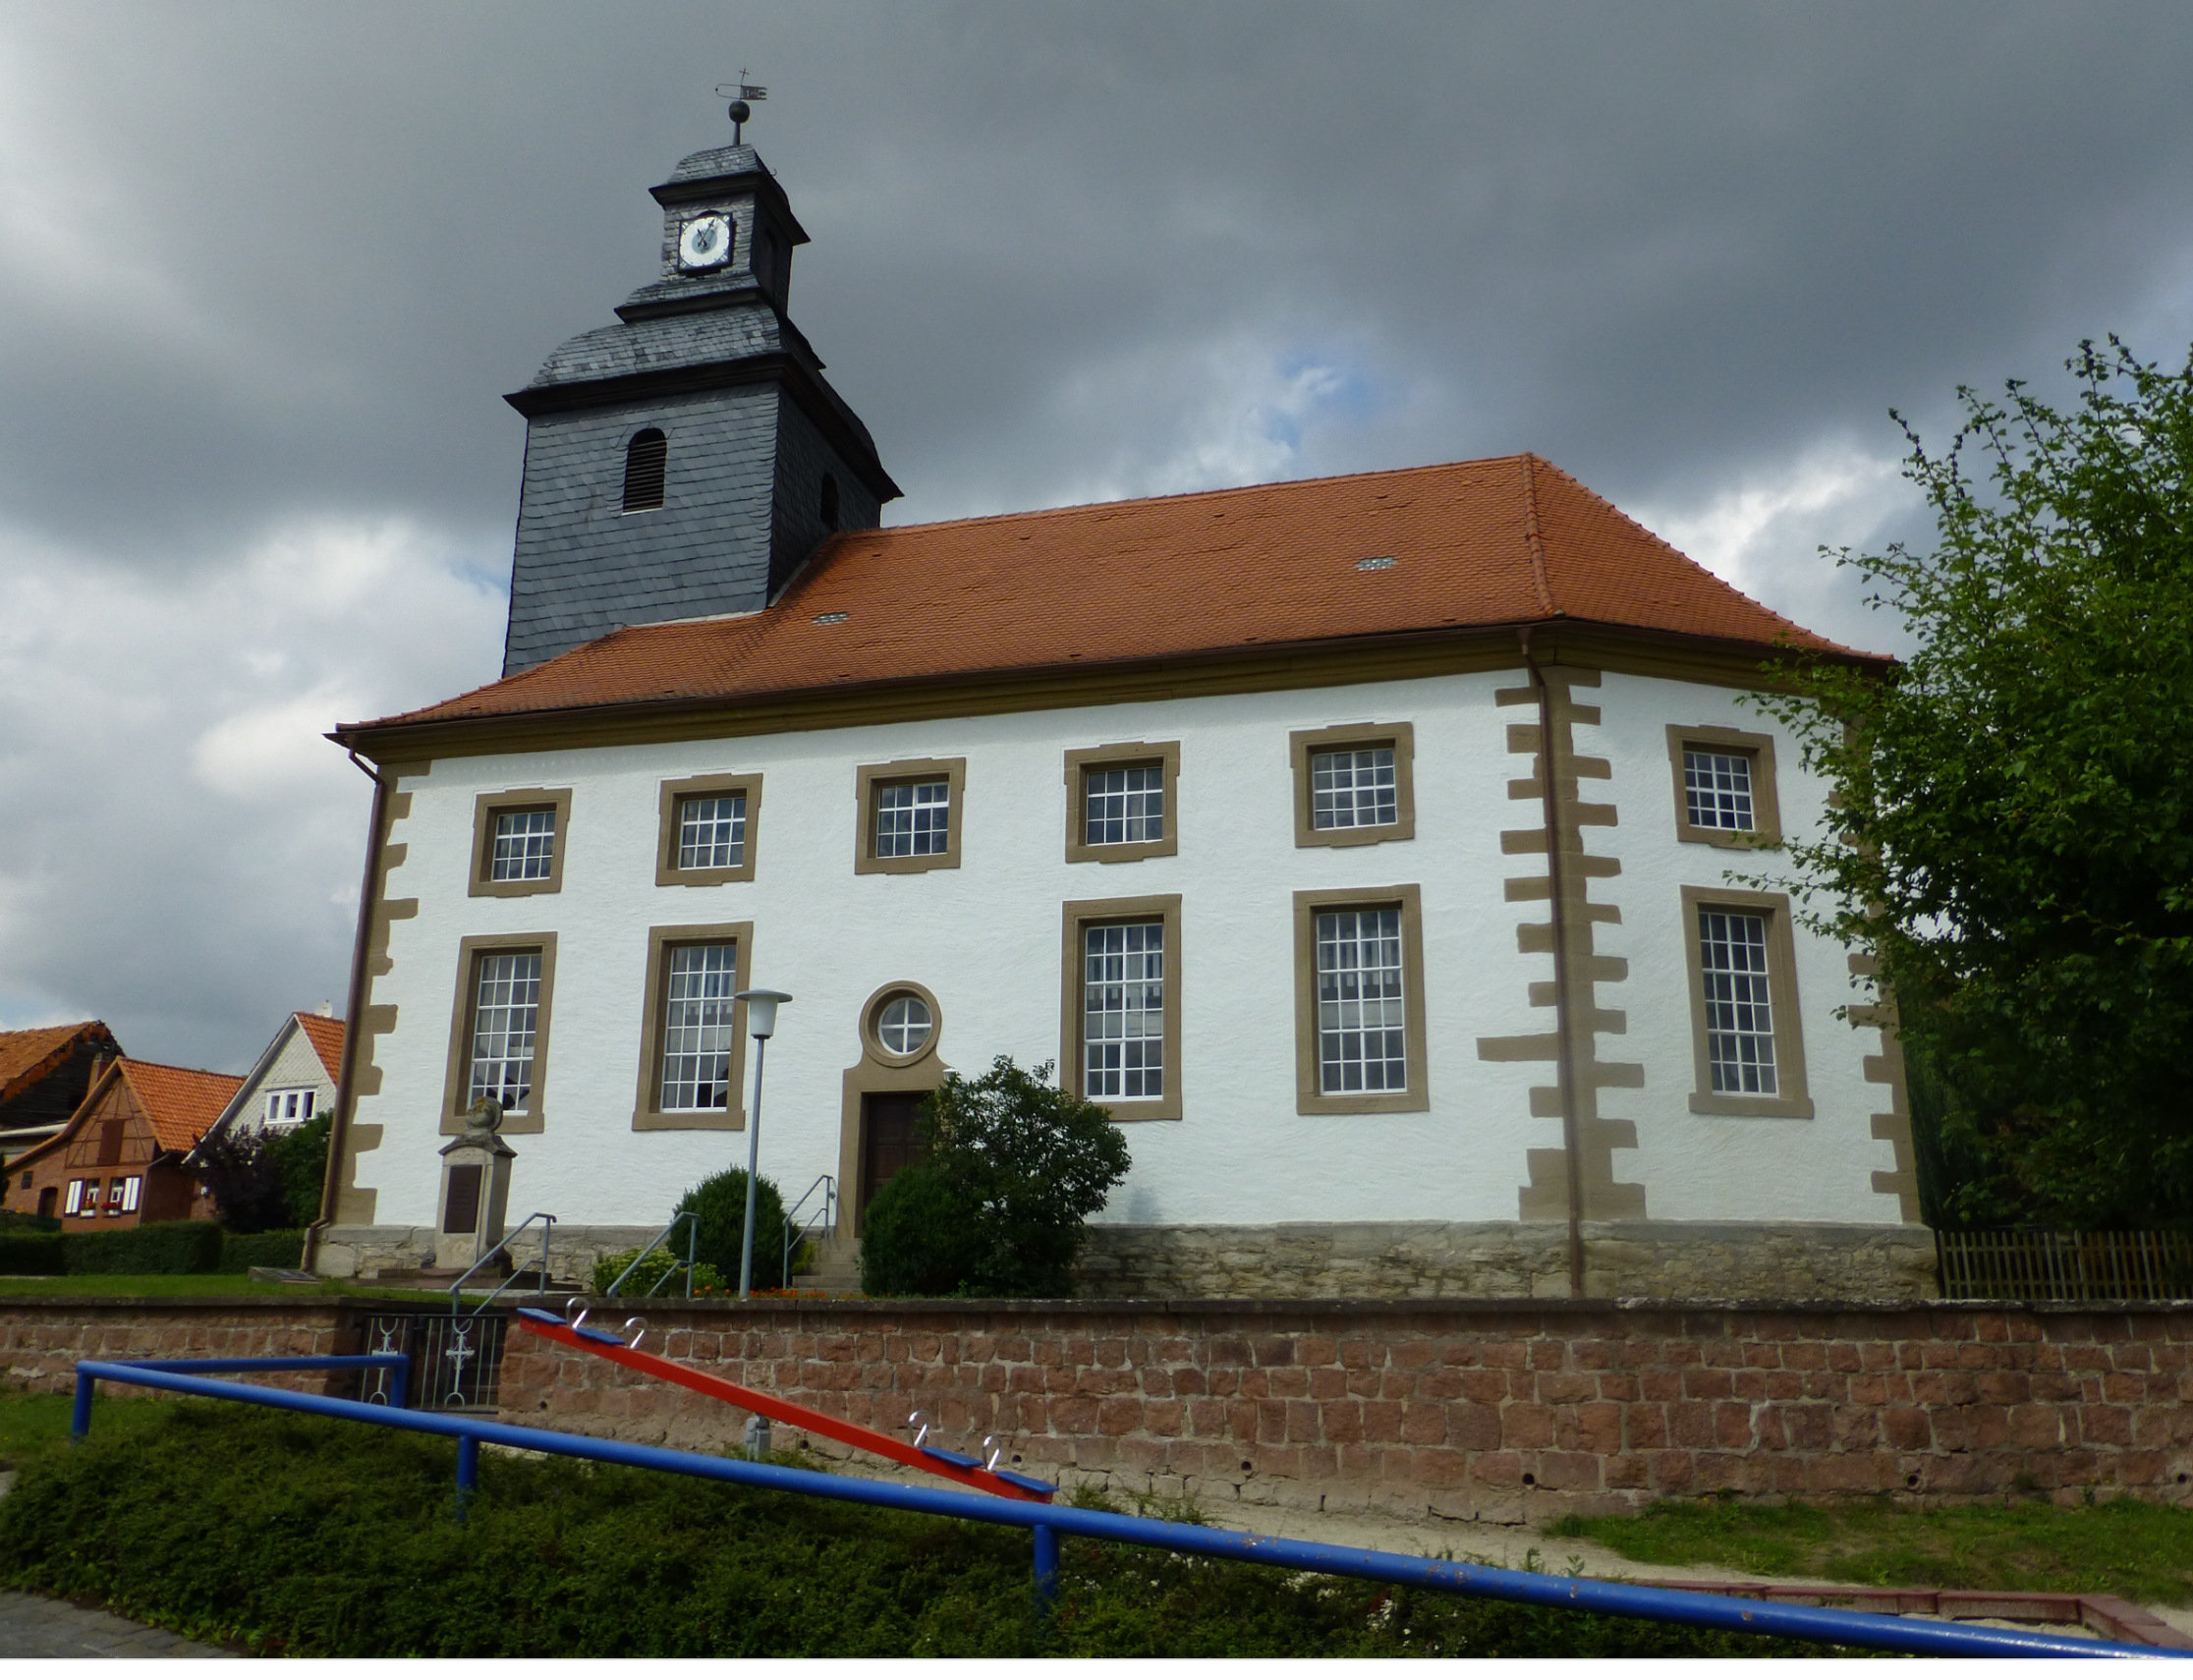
point(673, 796)
point(1765, 826)
point(1311, 1096)
point(1303, 744)
point(457, 1080)
point(647, 1113)
point(1793, 1099)
point(486, 807)
point(1121, 756)
point(872, 1014)
point(900, 772)
point(1076, 917)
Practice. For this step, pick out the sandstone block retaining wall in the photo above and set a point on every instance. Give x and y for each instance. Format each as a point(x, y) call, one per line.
point(41, 1341)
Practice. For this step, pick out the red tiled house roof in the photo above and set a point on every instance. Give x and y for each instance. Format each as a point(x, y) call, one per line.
point(181, 1103)
point(1478, 545)
point(28, 1055)
point(326, 1035)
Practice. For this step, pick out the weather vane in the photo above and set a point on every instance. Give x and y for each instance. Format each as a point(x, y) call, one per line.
point(744, 96)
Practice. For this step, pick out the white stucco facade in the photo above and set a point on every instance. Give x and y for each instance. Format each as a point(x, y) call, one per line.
point(986, 940)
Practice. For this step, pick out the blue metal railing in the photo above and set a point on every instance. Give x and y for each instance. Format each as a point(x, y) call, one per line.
point(1857, 1628)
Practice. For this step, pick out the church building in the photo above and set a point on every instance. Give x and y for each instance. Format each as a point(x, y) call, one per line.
point(1392, 854)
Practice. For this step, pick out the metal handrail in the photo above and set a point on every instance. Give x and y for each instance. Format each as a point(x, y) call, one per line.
point(1865, 1629)
point(827, 1216)
point(691, 1219)
point(547, 1229)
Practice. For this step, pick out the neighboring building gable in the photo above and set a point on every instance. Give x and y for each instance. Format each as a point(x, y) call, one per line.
point(119, 1160)
point(44, 1074)
point(294, 1079)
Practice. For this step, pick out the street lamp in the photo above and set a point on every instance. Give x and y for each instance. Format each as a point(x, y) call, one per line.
point(762, 1008)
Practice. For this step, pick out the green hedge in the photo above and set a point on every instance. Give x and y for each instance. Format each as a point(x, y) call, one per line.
point(261, 1248)
point(16, 1224)
point(172, 1246)
point(32, 1254)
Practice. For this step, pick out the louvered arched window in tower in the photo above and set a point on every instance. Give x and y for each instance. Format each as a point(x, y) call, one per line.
point(647, 462)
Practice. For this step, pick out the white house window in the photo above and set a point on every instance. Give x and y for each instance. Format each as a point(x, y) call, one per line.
point(76, 1196)
point(1123, 1010)
point(1739, 1022)
point(506, 1013)
point(1362, 1036)
point(913, 819)
point(1353, 788)
point(711, 832)
point(287, 1109)
point(904, 1024)
point(698, 1035)
point(525, 845)
point(1125, 807)
point(1718, 790)
point(130, 1193)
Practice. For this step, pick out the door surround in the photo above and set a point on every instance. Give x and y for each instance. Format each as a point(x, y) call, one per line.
point(925, 1072)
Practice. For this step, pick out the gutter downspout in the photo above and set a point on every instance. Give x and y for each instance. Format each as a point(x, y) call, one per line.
point(1565, 1042)
point(338, 1134)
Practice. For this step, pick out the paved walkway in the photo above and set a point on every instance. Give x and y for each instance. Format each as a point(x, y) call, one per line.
point(32, 1626)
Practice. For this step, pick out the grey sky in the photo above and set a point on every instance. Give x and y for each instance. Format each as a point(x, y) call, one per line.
point(264, 271)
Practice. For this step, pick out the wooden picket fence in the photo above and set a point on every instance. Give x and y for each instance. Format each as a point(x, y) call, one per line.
point(2065, 1265)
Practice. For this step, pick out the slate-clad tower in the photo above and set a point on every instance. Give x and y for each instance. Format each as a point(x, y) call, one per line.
point(686, 461)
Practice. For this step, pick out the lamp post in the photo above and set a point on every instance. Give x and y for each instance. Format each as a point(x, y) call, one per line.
point(762, 1008)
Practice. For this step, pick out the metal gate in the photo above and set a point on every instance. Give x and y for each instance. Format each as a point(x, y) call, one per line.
point(455, 1360)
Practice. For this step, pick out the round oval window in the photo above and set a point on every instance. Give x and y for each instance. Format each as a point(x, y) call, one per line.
point(904, 1024)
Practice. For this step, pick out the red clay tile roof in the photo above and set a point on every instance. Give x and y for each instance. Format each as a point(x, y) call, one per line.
point(180, 1103)
point(28, 1055)
point(326, 1034)
point(1481, 543)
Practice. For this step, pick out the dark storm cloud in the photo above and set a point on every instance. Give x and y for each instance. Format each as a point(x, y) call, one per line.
point(265, 270)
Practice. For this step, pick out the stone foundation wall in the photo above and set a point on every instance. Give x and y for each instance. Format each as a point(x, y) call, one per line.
point(369, 1252)
point(41, 1341)
point(1660, 1260)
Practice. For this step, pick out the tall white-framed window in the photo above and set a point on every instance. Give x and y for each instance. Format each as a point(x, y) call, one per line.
point(1123, 805)
point(1353, 788)
point(1718, 790)
point(525, 848)
point(1739, 1010)
point(699, 1027)
point(75, 1203)
point(130, 1187)
point(286, 1109)
point(711, 831)
point(913, 819)
point(506, 1018)
point(1362, 1041)
point(1123, 1011)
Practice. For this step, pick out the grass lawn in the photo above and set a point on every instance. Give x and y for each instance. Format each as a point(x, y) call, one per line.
point(2138, 1551)
point(304, 1536)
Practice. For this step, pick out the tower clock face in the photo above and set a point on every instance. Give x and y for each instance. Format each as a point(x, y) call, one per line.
point(704, 243)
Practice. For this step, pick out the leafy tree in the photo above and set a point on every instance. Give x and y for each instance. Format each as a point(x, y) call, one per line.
point(2013, 832)
point(266, 1181)
point(1015, 1168)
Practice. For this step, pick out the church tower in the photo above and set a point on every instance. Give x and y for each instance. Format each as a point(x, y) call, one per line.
point(687, 460)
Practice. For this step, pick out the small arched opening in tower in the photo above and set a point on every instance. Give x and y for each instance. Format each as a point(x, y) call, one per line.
point(647, 465)
point(828, 502)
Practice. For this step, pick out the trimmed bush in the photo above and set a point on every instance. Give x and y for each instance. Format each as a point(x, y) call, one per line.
point(241, 1252)
point(174, 1246)
point(721, 1202)
point(707, 1280)
point(921, 1235)
point(22, 1225)
point(32, 1254)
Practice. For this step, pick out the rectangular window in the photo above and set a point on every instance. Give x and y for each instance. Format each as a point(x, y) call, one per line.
point(1352, 789)
point(693, 1029)
point(498, 1029)
point(1122, 802)
point(76, 1196)
point(506, 1013)
point(909, 815)
point(1362, 1037)
point(525, 845)
point(1354, 786)
point(1718, 790)
point(1123, 1012)
point(1739, 1017)
point(519, 841)
point(913, 819)
point(1359, 1002)
point(710, 830)
point(697, 1029)
point(1119, 1005)
point(130, 1193)
point(1123, 808)
point(1724, 786)
point(1747, 1046)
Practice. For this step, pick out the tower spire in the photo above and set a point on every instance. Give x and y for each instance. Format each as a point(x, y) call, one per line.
point(744, 96)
